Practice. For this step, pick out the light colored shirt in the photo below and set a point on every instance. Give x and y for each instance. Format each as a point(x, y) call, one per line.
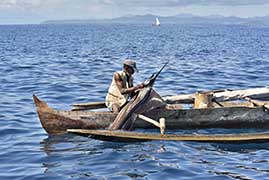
point(114, 95)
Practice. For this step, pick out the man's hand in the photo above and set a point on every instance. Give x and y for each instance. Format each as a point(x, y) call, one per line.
point(139, 86)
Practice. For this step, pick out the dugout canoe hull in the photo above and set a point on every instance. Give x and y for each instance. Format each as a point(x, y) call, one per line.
point(57, 122)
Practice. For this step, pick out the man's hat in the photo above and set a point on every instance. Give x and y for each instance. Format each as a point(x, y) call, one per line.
point(130, 63)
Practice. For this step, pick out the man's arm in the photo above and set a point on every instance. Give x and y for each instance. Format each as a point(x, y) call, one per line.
point(123, 90)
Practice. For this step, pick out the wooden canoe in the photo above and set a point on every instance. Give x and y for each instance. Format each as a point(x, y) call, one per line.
point(236, 116)
point(126, 136)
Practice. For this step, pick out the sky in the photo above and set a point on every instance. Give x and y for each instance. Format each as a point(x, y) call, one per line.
point(36, 11)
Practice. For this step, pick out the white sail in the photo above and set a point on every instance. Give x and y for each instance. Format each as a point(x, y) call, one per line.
point(157, 22)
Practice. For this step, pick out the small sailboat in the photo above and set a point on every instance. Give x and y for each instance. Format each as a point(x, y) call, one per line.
point(157, 23)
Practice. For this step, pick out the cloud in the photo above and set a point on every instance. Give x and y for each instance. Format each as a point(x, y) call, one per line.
point(4, 4)
point(169, 3)
point(127, 3)
point(99, 4)
point(29, 4)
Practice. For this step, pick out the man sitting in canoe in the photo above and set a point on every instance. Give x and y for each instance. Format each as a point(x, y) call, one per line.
point(121, 88)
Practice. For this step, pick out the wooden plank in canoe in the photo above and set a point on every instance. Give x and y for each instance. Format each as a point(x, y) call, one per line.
point(109, 135)
point(225, 95)
point(88, 106)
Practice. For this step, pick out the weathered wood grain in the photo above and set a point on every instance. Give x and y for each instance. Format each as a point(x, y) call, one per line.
point(127, 135)
point(226, 95)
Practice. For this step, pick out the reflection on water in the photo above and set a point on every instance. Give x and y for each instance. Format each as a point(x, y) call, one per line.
point(243, 147)
point(100, 159)
point(53, 143)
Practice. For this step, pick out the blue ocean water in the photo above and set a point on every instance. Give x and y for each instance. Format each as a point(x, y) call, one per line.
point(63, 64)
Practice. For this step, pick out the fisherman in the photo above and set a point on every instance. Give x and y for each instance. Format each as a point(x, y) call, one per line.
point(121, 88)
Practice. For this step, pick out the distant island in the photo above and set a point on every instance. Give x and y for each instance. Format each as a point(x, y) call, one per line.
point(177, 19)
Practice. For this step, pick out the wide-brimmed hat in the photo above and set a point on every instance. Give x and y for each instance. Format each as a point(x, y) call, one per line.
point(131, 63)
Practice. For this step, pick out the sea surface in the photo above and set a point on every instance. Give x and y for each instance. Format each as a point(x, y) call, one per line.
point(64, 64)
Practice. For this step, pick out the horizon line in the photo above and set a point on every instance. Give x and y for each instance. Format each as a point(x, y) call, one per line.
point(130, 16)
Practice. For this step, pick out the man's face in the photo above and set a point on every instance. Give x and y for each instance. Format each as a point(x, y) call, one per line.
point(129, 70)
